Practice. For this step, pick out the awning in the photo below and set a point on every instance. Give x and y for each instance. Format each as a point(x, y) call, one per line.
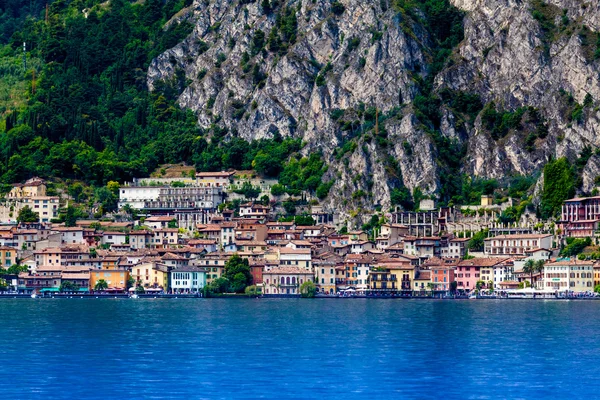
point(50, 289)
point(83, 289)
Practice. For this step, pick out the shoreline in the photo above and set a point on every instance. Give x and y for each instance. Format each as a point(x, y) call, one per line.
point(195, 296)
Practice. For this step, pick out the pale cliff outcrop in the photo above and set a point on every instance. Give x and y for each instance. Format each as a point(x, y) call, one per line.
point(369, 56)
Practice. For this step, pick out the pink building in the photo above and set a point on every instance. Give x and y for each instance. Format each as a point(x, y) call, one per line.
point(468, 272)
point(580, 217)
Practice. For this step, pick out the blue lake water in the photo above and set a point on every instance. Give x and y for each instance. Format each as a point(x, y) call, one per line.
point(295, 348)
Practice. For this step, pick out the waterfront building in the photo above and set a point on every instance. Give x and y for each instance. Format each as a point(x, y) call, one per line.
point(572, 275)
point(468, 272)
point(284, 279)
point(188, 279)
point(115, 278)
point(151, 274)
point(325, 275)
point(442, 276)
point(358, 267)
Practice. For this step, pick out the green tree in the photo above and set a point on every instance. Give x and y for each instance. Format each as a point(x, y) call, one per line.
point(68, 286)
point(77, 192)
point(130, 282)
point(217, 286)
point(559, 185)
point(529, 268)
point(252, 291)
point(237, 272)
point(26, 214)
point(70, 217)
point(16, 269)
point(100, 285)
point(304, 220)
point(597, 288)
point(308, 289)
point(453, 286)
point(248, 190)
point(478, 240)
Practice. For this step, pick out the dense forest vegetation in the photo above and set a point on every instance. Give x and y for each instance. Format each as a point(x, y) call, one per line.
point(88, 115)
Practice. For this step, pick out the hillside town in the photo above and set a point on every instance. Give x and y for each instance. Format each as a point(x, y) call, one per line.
point(184, 239)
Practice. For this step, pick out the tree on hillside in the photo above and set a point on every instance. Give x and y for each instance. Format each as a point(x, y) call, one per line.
point(477, 241)
point(26, 214)
point(249, 191)
point(237, 271)
point(559, 185)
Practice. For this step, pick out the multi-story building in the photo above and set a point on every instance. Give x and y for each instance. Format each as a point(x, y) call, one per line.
point(214, 179)
point(8, 256)
point(569, 275)
point(115, 278)
point(516, 244)
point(442, 277)
point(580, 217)
point(325, 275)
point(358, 267)
point(188, 279)
point(468, 272)
point(285, 279)
point(188, 205)
point(455, 248)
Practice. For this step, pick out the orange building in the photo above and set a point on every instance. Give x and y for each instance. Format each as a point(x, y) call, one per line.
point(115, 278)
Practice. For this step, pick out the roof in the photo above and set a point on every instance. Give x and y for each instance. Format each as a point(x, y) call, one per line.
point(159, 219)
point(521, 236)
point(189, 269)
point(482, 262)
point(288, 271)
point(222, 174)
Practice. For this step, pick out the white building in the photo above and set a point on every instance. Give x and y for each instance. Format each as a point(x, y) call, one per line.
point(503, 272)
point(187, 279)
point(165, 198)
point(71, 235)
point(572, 275)
point(516, 244)
point(300, 258)
point(115, 238)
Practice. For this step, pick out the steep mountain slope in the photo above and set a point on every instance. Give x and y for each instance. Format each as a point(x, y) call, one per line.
point(520, 88)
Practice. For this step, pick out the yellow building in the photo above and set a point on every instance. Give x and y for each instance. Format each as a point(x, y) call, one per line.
point(486, 275)
point(404, 272)
point(151, 275)
point(115, 278)
point(34, 187)
point(382, 280)
point(325, 276)
point(8, 256)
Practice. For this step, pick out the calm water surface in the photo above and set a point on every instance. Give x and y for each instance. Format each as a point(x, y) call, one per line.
point(283, 348)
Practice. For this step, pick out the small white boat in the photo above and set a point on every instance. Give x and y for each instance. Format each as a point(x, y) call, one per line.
point(33, 296)
point(134, 296)
point(472, 296)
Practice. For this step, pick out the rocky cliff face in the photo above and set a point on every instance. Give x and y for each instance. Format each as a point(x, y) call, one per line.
point(345, 76)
